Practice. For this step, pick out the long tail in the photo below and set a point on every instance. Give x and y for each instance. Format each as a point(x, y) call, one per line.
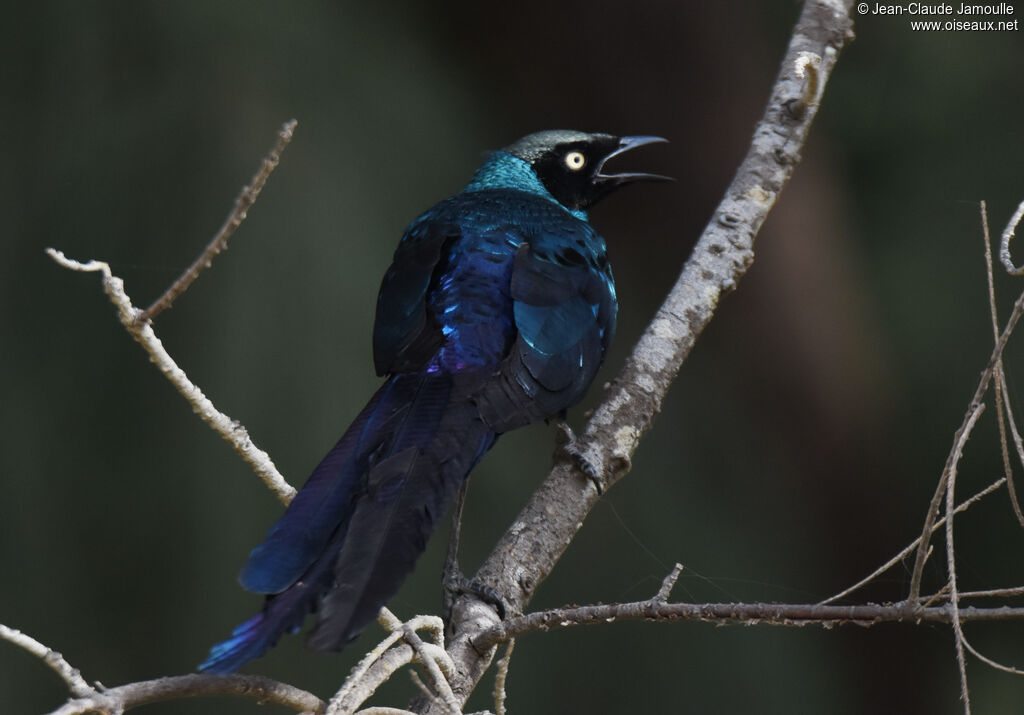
point(352, 534)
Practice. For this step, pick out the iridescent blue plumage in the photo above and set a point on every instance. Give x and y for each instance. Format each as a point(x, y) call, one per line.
point(496, 312)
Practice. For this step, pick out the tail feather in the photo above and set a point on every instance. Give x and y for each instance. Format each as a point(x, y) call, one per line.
point(364, 517)
point(282, 613)
point(296, 540)
point(391, 526)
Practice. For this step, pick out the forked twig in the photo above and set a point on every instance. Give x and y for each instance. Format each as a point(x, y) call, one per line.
point(138, 324)
point(912, 546)
point(233, 432)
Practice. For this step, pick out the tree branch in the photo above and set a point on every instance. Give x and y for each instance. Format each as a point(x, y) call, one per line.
point(138, 324)
point(67, 672)
point(748, 614)
point(119, 699)
point(540, 534)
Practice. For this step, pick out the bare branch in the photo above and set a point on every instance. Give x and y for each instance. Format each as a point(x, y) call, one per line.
point(389, 656)
point(775, 614)
point(125, 697)
point(529, 550)
point(233, 432)
point(986, 377)
point(68, 673)
point(994, 366)
point(220, 241)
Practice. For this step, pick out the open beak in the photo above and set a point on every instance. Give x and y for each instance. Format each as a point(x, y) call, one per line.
point(625, 144)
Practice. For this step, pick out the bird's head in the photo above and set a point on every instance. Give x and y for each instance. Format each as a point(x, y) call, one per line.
point(571, 165)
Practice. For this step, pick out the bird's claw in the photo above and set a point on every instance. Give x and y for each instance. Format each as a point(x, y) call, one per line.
point(568, 443)
point(456, 583)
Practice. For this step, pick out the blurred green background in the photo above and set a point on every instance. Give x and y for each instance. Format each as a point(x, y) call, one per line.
point(797, 451)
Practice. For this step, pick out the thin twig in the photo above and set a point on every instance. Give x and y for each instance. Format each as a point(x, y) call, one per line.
point(501, 676)
point(669, 583)
point(943, 593)
point(1004, 244)
point(233, 432)
point(954, 600)
point(1004, 392)
point(219, 242)
point(993, 593)
point(379, 672)
point(358, 672)
point(67, 672)
point(422, 687)
point(989, 662)
point(911, 546)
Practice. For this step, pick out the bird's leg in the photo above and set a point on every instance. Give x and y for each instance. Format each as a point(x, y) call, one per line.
point(454, 581)
point(568, 443)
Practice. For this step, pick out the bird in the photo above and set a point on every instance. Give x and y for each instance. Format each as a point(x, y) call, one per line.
point(496, 312)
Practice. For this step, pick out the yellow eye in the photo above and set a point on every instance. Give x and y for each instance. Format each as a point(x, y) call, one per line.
point(575, 160)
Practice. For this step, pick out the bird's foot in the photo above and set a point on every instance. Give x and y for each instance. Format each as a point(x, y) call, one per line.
point(569, 444)
point(457, 584)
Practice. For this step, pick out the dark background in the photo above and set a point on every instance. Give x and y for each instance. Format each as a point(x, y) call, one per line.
point(796, 452)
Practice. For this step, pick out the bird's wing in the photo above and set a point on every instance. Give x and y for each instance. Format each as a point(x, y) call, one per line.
point(564, 309)
point(406, 334)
